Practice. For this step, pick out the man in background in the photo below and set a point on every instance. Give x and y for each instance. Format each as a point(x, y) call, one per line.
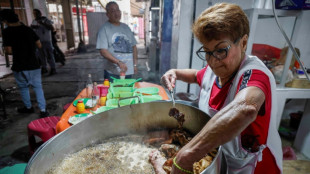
point(21, 41)
point(43, 28)
point(117, 45)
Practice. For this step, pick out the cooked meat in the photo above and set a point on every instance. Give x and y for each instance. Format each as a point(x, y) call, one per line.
point(169, 150)
point(174, 112)
point(157, 138)
point(180, 136)
point(205, 162)
point(168, 165)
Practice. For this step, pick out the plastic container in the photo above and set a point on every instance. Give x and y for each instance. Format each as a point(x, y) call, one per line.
point(119, 95)
point(103, 100)
point(95, 95)
point(124, 81)
point(106, 82)
point(149, 98)
point(114, 102)
point(103, 90)
point(80, 107)
point(115, 90)
point(89, 86)
point(102, 109)
point(147, 91)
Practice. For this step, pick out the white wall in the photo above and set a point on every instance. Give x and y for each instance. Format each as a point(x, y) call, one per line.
point(273, 37)
point(303, 38)
point(181, 38)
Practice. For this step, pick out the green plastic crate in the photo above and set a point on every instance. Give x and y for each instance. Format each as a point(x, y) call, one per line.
point(102, 109)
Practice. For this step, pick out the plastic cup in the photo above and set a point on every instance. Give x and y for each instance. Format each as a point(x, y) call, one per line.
point(103, 90)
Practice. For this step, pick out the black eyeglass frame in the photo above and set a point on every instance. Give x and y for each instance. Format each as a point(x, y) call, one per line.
point(211, 53)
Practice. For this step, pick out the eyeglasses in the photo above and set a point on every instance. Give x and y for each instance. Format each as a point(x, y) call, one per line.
point(219, 54)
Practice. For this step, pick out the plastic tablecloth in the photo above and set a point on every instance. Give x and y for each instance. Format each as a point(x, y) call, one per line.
point(63, 123)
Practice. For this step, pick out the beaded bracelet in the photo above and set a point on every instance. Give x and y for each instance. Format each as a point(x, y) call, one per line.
point(180, 168)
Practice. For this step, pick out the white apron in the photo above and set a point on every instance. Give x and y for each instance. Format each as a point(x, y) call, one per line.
point(240, 161)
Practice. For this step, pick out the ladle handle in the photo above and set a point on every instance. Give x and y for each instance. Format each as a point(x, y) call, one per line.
point(172, 97)
point(119, 105)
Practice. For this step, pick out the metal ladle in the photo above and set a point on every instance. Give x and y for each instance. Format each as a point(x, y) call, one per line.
point(172, 97)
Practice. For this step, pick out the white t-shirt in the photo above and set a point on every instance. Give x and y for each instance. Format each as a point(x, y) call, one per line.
point(118, 40)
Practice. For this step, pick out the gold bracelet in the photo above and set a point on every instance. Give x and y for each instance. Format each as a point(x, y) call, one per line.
point(180, 168)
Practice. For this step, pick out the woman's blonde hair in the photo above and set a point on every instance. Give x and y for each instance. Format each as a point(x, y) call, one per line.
point(222, 19)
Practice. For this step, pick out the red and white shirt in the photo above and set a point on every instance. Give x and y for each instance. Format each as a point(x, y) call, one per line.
point(256, 133)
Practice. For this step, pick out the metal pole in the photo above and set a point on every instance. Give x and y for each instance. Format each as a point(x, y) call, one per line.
point(81, 47)
point(83, 32)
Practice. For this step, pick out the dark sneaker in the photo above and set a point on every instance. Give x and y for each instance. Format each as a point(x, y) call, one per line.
point(25, 110)
point(44, 114)
point(53, 71)
point(43, 71)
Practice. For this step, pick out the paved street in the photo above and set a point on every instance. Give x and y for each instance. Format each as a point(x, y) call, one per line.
point(59, 90)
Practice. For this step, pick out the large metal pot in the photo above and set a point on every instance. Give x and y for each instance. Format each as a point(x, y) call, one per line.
point(116, 122)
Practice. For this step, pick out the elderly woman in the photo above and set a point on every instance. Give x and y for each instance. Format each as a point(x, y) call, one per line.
point(237, 91)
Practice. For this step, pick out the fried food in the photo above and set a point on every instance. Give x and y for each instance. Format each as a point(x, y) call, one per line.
point(205, 162)
point(174, 112)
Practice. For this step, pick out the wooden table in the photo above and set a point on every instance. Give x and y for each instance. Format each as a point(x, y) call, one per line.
point(63, 123)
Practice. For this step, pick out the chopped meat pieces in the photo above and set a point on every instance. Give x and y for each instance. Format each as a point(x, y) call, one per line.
point(205, 162)
point(169, 150)
point(174, 112)
point(157, 138)
point(180, 136)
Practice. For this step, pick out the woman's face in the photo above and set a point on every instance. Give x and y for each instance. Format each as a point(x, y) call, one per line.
point(226, 67)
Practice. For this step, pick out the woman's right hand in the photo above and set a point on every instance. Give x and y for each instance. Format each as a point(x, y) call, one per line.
point(168, 79)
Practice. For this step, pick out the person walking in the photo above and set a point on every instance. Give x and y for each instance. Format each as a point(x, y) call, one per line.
point(21, 41)
point(117, 45)
point(43, 27)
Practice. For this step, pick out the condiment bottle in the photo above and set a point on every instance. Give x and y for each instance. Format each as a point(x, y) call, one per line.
point(95, 95)
point(89, 86)
point(106, 82)
point(103, 100)
point(80, 107)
